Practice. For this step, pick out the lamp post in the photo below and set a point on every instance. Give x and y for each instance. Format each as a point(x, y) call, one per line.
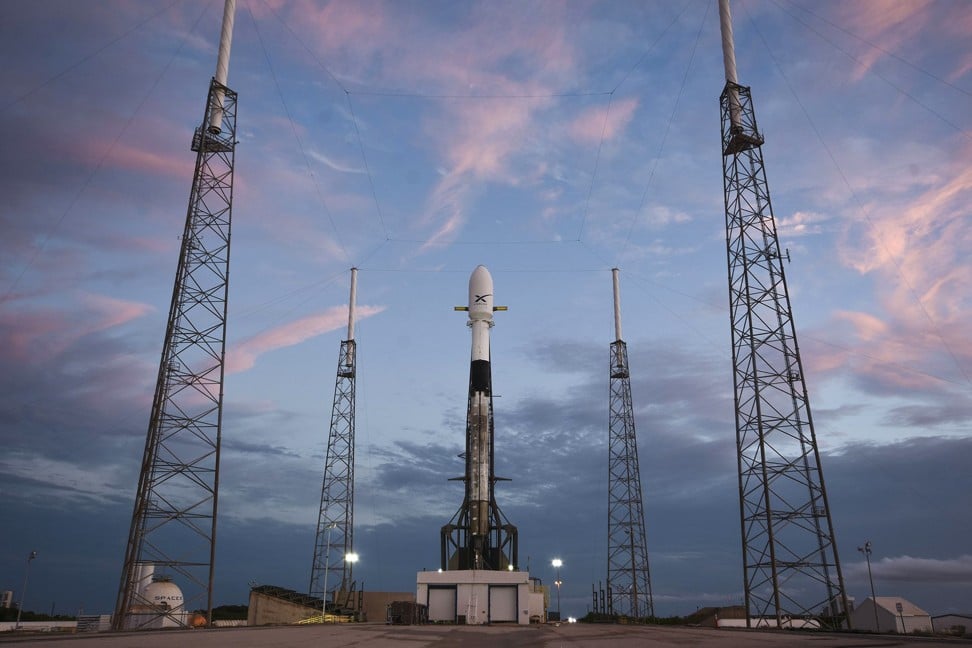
point(866, 550)
point(23, 592)
point(352, 558)
point(558, 563)
point(327, 562)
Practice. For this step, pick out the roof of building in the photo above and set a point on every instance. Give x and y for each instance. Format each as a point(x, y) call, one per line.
point(890, 603)
point(961, 615)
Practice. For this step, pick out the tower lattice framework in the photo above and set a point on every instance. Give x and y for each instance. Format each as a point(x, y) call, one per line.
point(789, 549)
point(330, 571)
point(173, 527)
point(628, 576)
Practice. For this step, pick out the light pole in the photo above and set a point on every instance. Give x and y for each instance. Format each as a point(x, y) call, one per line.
point(327, 562)
point(866, 550)
point(23, 592)
point(557, 563)
point(351, 558)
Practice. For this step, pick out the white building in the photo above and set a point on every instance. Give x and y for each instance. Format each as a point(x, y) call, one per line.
point(894, 614)
point(471, 596)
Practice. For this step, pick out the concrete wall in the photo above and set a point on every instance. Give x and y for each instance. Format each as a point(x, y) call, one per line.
point(269, 610)
point(374, 605)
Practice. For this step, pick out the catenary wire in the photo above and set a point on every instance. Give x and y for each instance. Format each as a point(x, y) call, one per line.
point(861, 207)
point(87, 57)
point(101, 161)
point(300, 144)
point(664, 139)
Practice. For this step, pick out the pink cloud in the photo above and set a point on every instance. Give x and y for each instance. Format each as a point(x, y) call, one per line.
point(112, 312)
point(243, 356)
point(866, 326)
point(919, 251)
point(888, 22)
point(42, 333)
point(477, 140)
point(608, 121)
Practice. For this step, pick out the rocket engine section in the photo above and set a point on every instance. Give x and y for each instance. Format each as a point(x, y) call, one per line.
point(479, 536)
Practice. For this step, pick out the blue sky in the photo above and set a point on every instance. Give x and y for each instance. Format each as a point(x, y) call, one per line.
point(550, 141)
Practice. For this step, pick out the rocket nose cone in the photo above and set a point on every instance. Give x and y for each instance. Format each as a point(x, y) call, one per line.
point(480, 294)
point(481, 277)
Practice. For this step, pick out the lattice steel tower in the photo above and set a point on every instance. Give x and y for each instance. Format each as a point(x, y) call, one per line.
point(628, 577)
point(789, 549)
point(334, 542)
point(173, 530)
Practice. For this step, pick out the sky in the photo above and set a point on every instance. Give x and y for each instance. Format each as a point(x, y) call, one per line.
point(550, 141)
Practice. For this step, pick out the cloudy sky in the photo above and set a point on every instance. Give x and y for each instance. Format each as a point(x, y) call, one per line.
point(550, 141)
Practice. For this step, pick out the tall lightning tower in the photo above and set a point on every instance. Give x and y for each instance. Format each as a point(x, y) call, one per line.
point(789, 550)
point(173, 529)
point(334, 542)
point(628, 577)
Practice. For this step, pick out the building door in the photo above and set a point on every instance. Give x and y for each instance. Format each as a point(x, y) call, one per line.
point(442, 603)
point(502, 604)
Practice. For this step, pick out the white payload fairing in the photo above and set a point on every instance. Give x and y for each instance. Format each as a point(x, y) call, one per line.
point(478, 534)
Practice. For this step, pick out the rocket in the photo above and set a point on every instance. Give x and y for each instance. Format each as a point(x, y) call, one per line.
point(483, 533)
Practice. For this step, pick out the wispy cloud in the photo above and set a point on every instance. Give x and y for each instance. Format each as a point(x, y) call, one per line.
point(336, 166)
point(244, 355)
point(603, 121)
point(888, 22)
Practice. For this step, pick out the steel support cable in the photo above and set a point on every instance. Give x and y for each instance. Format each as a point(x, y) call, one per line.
point(300, 144)
point(607, 116)
point(653, 45)
point(354, 120)
point(664, 139)
point(895, 86)
point(304, 45)
point(896, 57)
point(87, 57)
point(287, 295)
point(101, 161)
point(364, 160)
point(863, 210)
point(597, 163)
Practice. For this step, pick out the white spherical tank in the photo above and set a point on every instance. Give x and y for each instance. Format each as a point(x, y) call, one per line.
point(163, 594)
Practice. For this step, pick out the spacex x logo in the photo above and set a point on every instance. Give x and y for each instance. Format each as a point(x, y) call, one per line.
point(481, 299)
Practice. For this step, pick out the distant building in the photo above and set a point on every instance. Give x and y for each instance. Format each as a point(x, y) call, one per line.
point(6, 599)
point(956, 624)
point(894, 614)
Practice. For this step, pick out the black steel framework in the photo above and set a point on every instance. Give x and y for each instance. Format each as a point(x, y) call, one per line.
point(174, 519)
point(790, 560)
point(628, 576)
point(330, 572)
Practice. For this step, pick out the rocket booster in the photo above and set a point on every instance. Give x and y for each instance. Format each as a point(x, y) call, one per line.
point(479, 536)
point(479, 442)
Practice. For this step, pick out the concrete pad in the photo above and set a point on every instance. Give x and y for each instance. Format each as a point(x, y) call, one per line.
point(379, 635)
